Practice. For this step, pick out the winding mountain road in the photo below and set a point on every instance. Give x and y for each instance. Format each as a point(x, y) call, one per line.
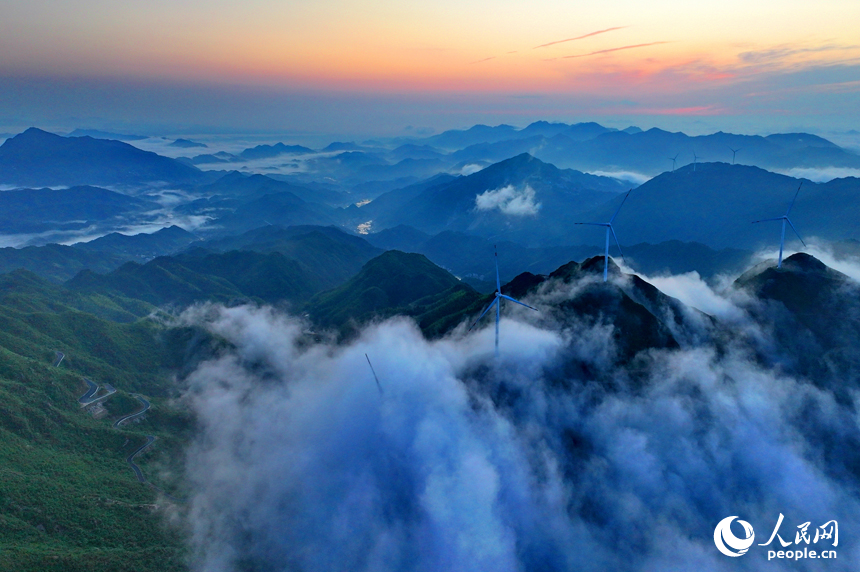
point(89, 397)
point(136, 414)
point(60, 356)
point(150, 439)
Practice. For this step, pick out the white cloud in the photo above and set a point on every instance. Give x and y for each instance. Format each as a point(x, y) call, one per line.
point(629, 176)
point(534, 462)
point(471, 169)
point(509, 200)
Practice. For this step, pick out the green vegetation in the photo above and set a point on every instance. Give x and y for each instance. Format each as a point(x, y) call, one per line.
point(391, 284)
point(68, 499)
point(56, 262)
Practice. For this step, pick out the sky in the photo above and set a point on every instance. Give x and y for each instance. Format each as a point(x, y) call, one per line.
point(396, 67)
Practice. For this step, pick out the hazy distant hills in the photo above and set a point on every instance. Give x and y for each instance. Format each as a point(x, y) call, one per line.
point(187, 144)
point(716, 203)
point(165, 241)
point(268, 265)
point(283, 208)
point(236, 184)
point(59, 263)
point(651, 151)
point(592, 147)
point(36, 157)
point(470, 257)
point(697, 217)
point(521, 199)
point(40, 210)
point(269, 151)
point(98, 134)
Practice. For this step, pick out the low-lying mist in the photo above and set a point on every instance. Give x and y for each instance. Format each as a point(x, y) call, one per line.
point(554, 457)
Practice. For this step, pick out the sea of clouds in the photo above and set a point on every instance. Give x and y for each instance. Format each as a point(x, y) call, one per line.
point(554, 457)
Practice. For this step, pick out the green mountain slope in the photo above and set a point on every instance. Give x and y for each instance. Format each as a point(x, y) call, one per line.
point(326, 253)
point(57, 262)
point(69, 501)
point(394, 283)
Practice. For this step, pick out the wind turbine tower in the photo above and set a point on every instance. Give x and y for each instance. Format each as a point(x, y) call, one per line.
point(373, 371)
point(695, 160)
point(609, 229)
point(673, 161)
point(784, 218)
point(734, 152)
point(497, 302)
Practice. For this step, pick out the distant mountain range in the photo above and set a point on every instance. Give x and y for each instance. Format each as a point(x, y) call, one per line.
point(97, 134)
point(146, 246)
point(39, 158)
point(715, 204)
point(268, 265)
point(697, 217)
point(592, 147)
point(187, 144)
point(521, 199)
point(250, 186)
point(534, 204)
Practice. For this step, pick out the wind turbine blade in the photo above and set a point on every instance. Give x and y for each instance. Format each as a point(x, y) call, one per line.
point(484, 313)
point(518, 302)
point(619, 208)
point(795, 231)
point(768, 219)
point(616, 242)
point(592, 223)
point(498, 282)
point(374, 373)
point(794, 199)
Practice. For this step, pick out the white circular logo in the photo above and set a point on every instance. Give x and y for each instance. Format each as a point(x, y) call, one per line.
point(727, 542)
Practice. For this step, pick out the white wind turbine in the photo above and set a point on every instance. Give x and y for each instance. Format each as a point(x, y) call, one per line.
point(609, 229)
point(784, 218)
point(497, 302)
point(695, 160)
point(673, 161)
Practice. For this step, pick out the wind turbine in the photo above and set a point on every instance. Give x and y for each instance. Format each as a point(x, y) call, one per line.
point(609, 229)
point(673, 161)
point(695, 159)
point(734, 152)
point(497, 302)
point(374, 373)
point(784, 218)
